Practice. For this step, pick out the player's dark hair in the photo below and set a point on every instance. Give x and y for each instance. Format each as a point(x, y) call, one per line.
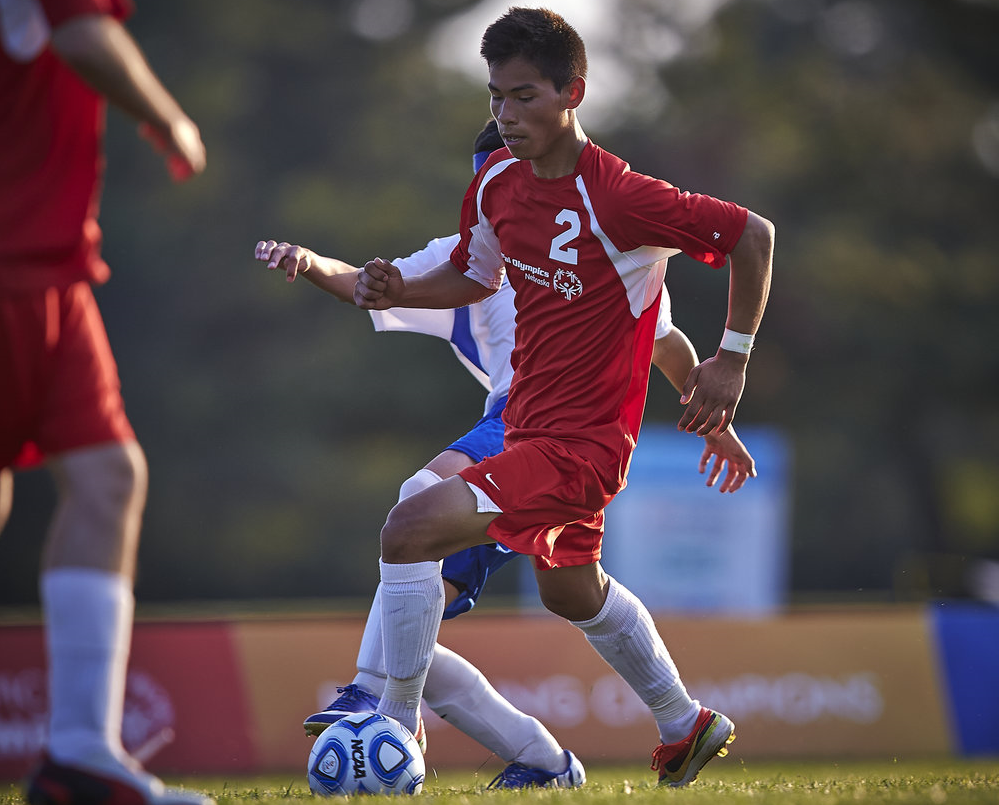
point(540, 36)
point(488, 140)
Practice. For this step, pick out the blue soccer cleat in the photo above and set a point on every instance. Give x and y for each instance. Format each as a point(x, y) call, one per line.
point(352, 699)
point(517, 775)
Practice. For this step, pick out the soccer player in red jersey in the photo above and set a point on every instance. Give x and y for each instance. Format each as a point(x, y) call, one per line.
point(482, 336)
point(61, 61)
point(583, 241)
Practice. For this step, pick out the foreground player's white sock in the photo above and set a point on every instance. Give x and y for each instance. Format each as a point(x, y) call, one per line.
point(412, 604)
point(624, 634)
point(458, 692)
point(370, 656)
point(88, 627)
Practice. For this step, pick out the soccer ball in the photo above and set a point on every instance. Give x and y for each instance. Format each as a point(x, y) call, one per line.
point(366, 753)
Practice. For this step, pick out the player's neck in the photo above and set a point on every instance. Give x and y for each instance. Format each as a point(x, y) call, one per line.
point(561, 158)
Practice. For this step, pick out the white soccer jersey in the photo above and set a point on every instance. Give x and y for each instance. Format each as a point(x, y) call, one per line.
point(480, 334)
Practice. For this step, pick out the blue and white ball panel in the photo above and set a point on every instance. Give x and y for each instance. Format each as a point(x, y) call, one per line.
point(331, 766)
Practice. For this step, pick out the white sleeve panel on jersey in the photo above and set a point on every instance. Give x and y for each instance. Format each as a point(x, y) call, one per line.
point(24, 29)
point(485, 258)
point(665, 321)
point(642, 270)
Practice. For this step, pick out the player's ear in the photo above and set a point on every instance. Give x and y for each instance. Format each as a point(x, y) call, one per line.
point(573, 92)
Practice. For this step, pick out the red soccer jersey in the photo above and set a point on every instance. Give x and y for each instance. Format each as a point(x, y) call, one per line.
point(586, 256)
point(51, 157)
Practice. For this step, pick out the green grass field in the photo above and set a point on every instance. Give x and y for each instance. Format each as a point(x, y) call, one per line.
point(948, 782)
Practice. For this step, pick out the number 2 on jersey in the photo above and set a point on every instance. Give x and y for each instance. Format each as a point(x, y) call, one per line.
point(559, 251)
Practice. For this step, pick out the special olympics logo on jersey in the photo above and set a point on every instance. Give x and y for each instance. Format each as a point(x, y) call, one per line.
point(567, 284)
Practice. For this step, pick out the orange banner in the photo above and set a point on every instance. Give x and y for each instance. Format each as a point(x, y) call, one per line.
point(809, 685)
point(805, 686)
point(230, 697)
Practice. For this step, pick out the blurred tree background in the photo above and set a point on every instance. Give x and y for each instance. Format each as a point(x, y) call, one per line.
point(278, 427)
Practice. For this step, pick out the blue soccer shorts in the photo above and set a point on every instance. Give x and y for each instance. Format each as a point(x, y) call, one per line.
point(468, 569)
point(486, 436)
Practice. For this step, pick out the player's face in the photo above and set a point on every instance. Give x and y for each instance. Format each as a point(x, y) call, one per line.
point(535, 120)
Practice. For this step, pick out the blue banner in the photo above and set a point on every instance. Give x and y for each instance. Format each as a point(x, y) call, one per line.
point(968, 640)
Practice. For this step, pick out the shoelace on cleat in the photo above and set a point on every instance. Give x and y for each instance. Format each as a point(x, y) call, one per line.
point(351, 696)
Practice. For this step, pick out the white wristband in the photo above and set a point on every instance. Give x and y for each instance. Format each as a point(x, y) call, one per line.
point(737, 342)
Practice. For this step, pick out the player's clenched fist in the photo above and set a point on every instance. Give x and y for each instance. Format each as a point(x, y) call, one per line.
point(379, 285)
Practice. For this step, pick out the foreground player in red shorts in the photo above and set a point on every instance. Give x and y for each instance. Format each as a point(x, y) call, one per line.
point(584, 242)
point(60, 62)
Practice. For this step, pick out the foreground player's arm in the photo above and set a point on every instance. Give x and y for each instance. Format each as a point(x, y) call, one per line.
point(675, 357)
point(714, 388)
point(380, 286)
point(6, 494)
point(103, 53)
point(331, 275)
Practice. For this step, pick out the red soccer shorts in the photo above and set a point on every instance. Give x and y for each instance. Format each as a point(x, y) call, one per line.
point(59, 379)
point(552, 502)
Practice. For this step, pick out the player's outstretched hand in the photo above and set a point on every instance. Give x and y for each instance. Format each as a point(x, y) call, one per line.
point(379, 286)
point(712, 393)
point(181, 146)
point(293, 260)
point(730, 454)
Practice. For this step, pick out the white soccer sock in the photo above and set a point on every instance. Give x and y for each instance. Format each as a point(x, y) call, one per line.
point(88, 621)
point(624, 634)
point(412, 604)
point(371, 655)
point(458, 692)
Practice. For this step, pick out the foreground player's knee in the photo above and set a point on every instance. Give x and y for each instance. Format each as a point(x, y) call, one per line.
point(125, 481)
point(574, 593)
point(400, 538)
point(108, 483)
point(571, 608)
point(102, 492)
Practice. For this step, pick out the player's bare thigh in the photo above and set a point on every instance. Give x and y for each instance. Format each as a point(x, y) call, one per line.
point(434, 523)
point(102, 493)
point(448, 463)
